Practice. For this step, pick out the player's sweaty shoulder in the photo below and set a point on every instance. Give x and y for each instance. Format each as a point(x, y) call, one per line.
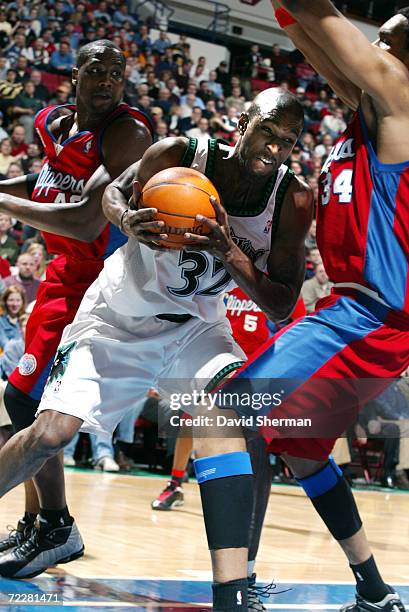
point(392, 96)
point(168, 152)
point(126, 124)
point(300, 193)
point(131, 131)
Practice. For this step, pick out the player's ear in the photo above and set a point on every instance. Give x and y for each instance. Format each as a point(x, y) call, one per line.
point(243, 123)
point(74, 76)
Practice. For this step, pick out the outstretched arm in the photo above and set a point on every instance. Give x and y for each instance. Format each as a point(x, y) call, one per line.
point(317, 56)
point(21, 186)
point(368, 67)
point(84, 220)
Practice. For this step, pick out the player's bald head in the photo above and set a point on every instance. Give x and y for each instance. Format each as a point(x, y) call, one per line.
point(404, 11)
point(98, 48)
point(279, 105)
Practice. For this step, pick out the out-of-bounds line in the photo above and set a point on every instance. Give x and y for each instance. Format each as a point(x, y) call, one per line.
point(302, 606)
point(184, 606)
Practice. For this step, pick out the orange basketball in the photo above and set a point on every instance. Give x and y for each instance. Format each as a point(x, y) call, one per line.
point(179, 194)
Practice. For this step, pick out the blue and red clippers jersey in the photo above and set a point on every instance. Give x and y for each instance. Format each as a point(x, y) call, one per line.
point(65, 172)
point(363, 212)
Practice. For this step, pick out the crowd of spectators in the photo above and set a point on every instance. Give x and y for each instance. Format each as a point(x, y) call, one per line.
point(202, 98)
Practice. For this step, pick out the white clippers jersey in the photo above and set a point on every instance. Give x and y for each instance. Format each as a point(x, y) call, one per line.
point(137, 281)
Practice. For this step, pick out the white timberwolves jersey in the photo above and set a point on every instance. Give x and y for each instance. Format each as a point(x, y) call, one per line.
point(137, 281)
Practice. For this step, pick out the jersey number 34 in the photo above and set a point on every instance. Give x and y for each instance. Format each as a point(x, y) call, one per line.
point(341, 187)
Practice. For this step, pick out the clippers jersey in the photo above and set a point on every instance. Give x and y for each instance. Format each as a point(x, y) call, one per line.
point(362, 229)
point(65, 172)
point(137, 281)
point(247, 320)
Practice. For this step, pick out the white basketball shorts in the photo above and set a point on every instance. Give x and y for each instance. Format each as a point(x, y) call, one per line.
point(106, 362)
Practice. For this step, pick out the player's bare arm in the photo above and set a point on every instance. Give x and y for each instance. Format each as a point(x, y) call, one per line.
point(316, 55)
point(380, 70)
point(82, 221)
point(139, 224)
point(276, 294)
point(20, 187)
point(286, 262)
point(125, 141)
point(85, 220)
point(117, 157)
point(369, 67)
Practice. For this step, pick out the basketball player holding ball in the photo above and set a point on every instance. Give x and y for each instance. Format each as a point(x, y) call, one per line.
point(178, 195)
point(157, 313)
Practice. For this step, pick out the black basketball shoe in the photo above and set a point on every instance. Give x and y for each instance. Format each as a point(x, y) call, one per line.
point(46, 546)
point(390, 603)
point(16, 536)
point(171, 497)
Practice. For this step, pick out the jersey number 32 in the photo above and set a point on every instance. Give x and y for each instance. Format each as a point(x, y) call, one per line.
point(194, 266)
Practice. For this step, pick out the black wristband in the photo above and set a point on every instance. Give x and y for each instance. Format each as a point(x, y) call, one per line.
point(121, 223)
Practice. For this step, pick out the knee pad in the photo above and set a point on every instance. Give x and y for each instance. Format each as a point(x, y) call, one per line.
point(332, 498)
point(222, 466)
point(226, 489)
point(21, 407)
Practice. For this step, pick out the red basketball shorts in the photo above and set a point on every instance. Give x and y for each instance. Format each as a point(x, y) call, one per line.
point(325, 366)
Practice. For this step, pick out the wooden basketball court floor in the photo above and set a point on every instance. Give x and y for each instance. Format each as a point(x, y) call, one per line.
point(148, 560)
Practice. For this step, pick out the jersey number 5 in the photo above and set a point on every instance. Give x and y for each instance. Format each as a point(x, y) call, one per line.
point(341, 187)
point(250, 323)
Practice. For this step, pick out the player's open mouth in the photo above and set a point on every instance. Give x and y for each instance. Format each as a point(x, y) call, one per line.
point(266, 161)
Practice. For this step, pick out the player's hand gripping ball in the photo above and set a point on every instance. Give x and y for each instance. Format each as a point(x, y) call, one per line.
point(179, 194)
